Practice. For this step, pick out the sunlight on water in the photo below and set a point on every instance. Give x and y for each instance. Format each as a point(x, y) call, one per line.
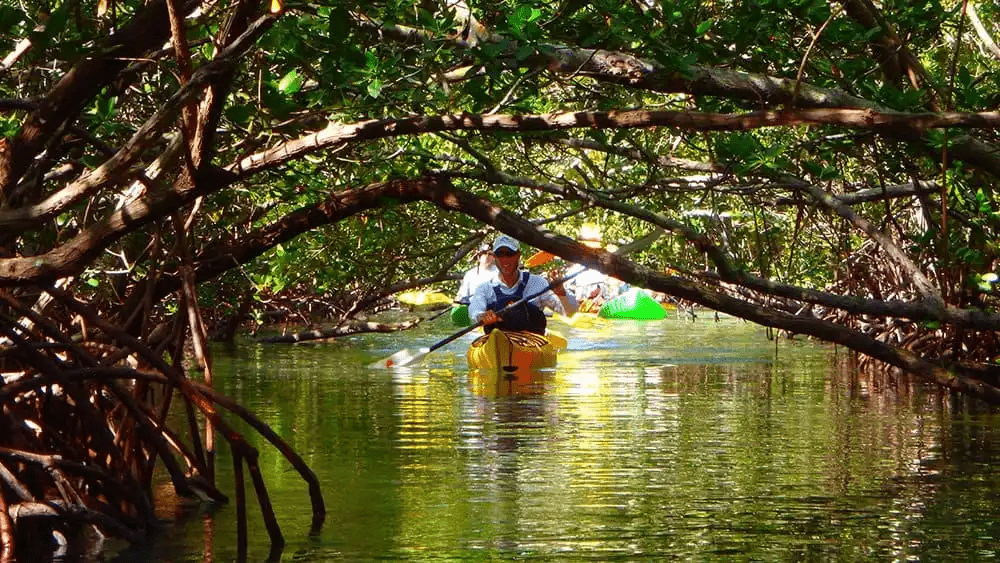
point(649, 440)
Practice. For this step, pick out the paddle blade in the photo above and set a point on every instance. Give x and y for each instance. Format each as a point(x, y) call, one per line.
point(538, 258)
point(400, 359)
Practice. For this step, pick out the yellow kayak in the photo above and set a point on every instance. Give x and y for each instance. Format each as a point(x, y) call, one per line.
point(424, 299)
point(503, 350)
point(581, 320)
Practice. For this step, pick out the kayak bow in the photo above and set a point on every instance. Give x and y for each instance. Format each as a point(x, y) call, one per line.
point(513, 350)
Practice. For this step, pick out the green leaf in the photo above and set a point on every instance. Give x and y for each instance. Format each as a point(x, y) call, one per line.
point(703, 27)
point(56, 24)
point(374, 88)
point(239, 113)
point(338, 24)
point(598, 135)
point(105, 107)
point(9, 17)
point(290, 83)
point(521, 15)
point(491, 50)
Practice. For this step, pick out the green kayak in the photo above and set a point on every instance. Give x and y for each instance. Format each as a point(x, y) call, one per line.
point(634, 304)
point(460, 315)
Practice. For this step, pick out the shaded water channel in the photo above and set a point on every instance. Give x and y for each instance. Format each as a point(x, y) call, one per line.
point(651, 440)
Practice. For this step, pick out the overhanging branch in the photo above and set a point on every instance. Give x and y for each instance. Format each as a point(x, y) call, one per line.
point(337, 133)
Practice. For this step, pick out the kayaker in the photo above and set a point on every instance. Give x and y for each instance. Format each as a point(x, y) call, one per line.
point(484, 271)
point(591, 287)
point(513, 284)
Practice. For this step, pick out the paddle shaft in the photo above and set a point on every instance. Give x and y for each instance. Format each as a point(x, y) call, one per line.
point(404, 357)
point(441, 312)
point(470, 328)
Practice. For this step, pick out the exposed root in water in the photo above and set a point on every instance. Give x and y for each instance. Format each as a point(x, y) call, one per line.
point(85, 408)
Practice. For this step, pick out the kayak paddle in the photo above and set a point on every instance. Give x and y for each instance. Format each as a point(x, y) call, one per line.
point(439, 313)
point(538, 258)
point(406, 357)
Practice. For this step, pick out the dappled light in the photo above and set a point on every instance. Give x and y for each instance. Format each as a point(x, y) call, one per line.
point(178, 173)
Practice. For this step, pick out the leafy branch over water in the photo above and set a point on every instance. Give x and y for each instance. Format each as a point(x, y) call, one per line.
point(824, 171)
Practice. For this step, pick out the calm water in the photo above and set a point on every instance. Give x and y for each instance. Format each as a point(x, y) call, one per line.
point(663, 440)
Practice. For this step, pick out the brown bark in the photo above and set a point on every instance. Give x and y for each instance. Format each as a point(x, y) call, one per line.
point(147, 30)
point(439, 191)
point(871, 194)
point(113, 171)
point(215, 261)
point(926, 288)
point(899, 64)
point(70, 258)
point(154, 435)
point(894, 123)
point(6, 533)
point(761, 90)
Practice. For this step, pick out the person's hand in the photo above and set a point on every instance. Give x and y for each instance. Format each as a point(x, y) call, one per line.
point(490, 317)
point(556, 275)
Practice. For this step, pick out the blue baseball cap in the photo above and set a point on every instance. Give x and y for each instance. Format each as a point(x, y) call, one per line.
point(504, 241)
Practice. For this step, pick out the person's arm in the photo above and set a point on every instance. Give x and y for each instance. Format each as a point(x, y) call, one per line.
point(567, 301)
point(479, 301)
point(557, 299)
point(465, 291)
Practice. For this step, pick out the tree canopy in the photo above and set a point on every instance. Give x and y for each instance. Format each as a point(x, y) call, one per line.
point(826, 168)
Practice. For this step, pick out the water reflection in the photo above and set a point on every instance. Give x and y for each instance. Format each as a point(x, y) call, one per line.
point(664, 440)
point(504, 383)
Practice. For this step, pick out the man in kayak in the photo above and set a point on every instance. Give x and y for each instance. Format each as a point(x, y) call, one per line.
point(513, 284)
point(484, 271)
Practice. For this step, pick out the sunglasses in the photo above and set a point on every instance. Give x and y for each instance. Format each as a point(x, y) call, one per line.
point(506, 252)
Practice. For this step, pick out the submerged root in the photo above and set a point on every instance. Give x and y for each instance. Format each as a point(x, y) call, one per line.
point(960, 358)
point(84, 429)
point(971, 353)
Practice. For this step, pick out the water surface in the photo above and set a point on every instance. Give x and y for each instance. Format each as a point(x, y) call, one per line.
point(659, 440)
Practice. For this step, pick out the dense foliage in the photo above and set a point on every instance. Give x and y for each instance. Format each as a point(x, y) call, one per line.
point(824, 168)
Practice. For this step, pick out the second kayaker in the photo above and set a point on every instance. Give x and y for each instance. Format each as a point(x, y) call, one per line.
point(512, 284)
point(484, 271)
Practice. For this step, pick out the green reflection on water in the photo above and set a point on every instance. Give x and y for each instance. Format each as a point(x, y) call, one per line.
point(649, 440)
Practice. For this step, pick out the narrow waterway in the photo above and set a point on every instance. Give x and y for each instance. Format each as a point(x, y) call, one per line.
point(666, 440)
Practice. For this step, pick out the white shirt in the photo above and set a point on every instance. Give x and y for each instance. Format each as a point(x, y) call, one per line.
point(472, 279)
point(484, 296)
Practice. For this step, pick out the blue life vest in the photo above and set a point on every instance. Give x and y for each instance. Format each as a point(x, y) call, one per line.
point(526, 316)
